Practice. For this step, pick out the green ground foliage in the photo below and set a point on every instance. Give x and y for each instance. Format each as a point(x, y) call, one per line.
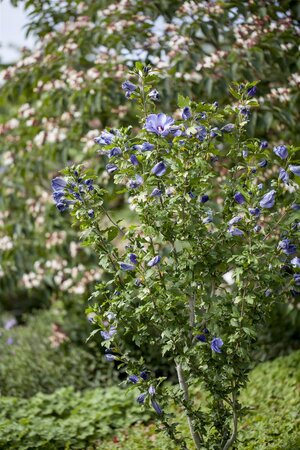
point(45, 355)
point(103, 418)
point(66, 419)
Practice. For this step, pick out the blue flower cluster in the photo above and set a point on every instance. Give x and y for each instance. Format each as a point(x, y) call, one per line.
point(77, 190)
point(144, 376)
point(133, 260)
point(215, 344)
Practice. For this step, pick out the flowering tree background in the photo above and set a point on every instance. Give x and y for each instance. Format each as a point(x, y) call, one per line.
point(61, 97)
point(57, 98)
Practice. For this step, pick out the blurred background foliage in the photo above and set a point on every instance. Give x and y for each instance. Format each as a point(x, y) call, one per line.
point(58, 97)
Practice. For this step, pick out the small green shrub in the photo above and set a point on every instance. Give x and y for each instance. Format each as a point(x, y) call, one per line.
point(30, 361)
point(272, 421)
point(66, 419)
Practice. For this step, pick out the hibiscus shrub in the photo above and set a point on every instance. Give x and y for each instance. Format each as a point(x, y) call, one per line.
point(210, 247)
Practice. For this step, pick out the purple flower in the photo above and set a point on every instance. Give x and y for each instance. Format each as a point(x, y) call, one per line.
point(268, 292)
point(10, 341)
point(154, 261)
point(105, 138)
point(216, 345)
point(295, 293)
point(263, 163)
point(134, 160)
point(108, 334)
point(254, 211)
point(111, 316)
point(133, 378)
point(234, 231)
point(257, 228)
point(239, 198)
point(177, 131)
point(58, 184)
point(186, 113)
point(128, 87)
point(146, 147)
point(159, 124)
point(126, 267)
point(133, 184)
point(234, 220)
point(264, 144)
point(245, 153)
point(295, 170)
point(192, 195)
point(111, 168)
point(152, 390)
point(201, 337)
point(214, 132)
point(295, 207)
point(228, 128)
point(133, 258)
point(296, 262)
point(204, 198)
point(116, 151)
point(201, 133)
point(283, 176)
point(141, 398)
point(137, 282)
point(252, 91)
point(281, 151)
point(170, 191)
point(110, 357)
point(268, 200)
point(144, 375)
point(91, 213)
point(10, 323)
point(159, 169)
point(245, 110)
point(154, 95)
point(156, 193)
point(297, 279)
point(156, 406)
point(286, 246)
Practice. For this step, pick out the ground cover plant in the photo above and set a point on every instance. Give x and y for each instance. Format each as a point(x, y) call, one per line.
point(207, 209)
point(109, 418)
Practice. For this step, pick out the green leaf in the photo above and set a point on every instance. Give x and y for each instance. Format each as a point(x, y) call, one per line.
point(183, 101)
point(92, 334)
point(112, 233)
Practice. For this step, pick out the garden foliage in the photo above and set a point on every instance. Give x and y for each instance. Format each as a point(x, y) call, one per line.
point(66, 419)
point(103, 419)
point(47, 354)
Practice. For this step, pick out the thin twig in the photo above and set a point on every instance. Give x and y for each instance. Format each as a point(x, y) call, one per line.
point(235, 422)
point(182, 383)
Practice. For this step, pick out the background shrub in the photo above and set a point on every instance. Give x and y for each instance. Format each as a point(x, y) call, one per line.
point(42, 356)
